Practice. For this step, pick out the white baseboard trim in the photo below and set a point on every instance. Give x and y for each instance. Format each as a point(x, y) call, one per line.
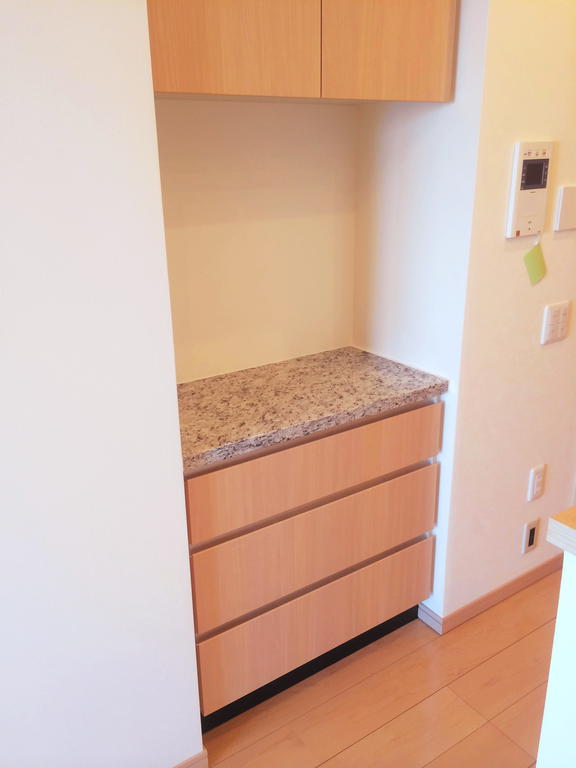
point(198, 761)
point(443, 624)
point(430, 618)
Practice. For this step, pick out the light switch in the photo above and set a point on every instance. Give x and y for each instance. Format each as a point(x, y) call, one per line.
point(536, 482)
point(555, 322)
point(565, 209)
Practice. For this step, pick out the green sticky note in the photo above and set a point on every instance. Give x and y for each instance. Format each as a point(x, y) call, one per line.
point(535, 264)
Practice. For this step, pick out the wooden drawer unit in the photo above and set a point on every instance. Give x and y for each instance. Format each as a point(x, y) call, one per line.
point(251, 571)
point(258, 651)
point(232, 498)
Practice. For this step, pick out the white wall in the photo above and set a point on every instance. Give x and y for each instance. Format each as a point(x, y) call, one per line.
point(517, 399)
point(416, 197)
point(98, 664)
point(260, 208)
point(556, 748)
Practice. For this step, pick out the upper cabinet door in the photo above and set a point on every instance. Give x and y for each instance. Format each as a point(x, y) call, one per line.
point(242, 47)
point(400, 50)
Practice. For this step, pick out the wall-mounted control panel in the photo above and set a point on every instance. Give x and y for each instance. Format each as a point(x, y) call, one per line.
point(529, 188)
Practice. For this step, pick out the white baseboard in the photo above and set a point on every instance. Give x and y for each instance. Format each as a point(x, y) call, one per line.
point(443, 624)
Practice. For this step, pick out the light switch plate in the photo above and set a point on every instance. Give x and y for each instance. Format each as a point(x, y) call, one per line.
point(555, 322)
point(565, 209)
point(536, 482)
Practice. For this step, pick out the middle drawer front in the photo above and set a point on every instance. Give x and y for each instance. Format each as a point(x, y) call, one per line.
point(251, 571)
point(258, 651)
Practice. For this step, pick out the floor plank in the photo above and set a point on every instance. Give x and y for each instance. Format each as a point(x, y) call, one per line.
point(486, 746)
point(522, 721)
point(502, 680)
point(319, 734)
point(416, 737)
point(231, 737)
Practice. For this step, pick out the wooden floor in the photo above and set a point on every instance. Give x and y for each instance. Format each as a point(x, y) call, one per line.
point(473, 697)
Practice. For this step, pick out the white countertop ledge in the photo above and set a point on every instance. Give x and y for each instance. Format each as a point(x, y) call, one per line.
point(562, 530)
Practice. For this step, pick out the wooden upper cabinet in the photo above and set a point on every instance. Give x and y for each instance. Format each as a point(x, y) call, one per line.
point(400, 50)
point(237, 47)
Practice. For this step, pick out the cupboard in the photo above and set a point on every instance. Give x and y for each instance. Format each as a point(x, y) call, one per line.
point(401, 50)
point(236, 47)
point(336, 49)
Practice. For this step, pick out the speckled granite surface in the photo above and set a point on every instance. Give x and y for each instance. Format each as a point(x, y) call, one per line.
point(226, 416)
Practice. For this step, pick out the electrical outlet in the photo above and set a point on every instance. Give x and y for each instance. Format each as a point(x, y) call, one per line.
point(530, 536)
point(536, 482)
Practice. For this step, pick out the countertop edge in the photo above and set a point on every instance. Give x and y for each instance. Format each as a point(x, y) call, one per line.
point(562, 530)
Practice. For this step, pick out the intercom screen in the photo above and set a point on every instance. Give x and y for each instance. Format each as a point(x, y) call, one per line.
point(534, 173)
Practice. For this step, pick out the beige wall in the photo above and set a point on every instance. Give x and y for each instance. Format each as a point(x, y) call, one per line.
point(439, 287)
point(259, 204)
point(517, 398)
point(416, 199)
point(97, 635)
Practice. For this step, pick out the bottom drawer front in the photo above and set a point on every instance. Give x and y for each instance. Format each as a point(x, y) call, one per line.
point(252, 654)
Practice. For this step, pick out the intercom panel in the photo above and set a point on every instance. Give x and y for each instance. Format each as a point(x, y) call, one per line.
point(529, 188)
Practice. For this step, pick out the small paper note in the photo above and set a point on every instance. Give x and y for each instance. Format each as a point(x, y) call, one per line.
point(535, 264)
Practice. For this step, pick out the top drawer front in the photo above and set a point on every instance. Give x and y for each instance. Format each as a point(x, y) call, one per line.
point(241, 495)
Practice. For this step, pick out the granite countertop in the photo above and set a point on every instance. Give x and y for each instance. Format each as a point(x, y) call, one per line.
point(224, 417)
